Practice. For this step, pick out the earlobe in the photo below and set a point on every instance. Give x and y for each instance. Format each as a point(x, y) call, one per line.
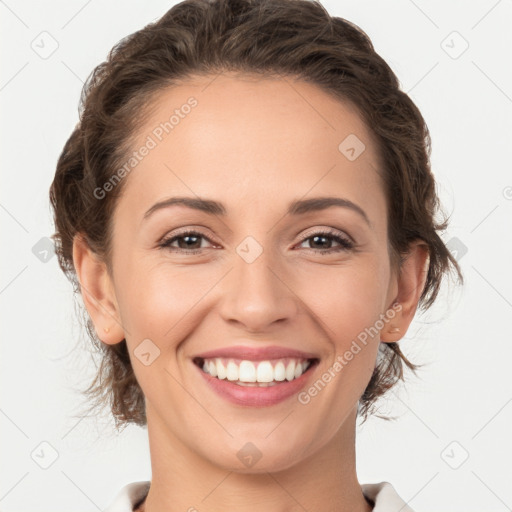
point(410, 283)
point(97, 292)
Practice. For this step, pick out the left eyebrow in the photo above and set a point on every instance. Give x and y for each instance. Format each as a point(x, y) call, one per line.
point(298, 207)
point(322, 203)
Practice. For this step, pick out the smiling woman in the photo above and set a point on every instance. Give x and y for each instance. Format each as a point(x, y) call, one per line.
point(263, 254)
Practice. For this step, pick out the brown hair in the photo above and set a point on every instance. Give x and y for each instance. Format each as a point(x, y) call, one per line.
point(289, 38)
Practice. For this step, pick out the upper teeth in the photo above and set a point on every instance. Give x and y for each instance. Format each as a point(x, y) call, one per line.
point(247, 371)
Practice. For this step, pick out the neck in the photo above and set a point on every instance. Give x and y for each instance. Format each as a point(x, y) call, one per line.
point(184, 480)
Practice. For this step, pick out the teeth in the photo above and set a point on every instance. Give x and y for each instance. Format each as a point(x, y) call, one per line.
point(265, 372)
point(232, 371)
point(261, 372)
point(247, 372)
point(257, 384)
point(212, 369)
point(279, 371)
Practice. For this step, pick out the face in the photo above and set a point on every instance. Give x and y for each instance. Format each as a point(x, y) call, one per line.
point(188, 281)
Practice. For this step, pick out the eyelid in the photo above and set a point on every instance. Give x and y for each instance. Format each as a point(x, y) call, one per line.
point(187, 230)
point(344, 240)
point(331, 230)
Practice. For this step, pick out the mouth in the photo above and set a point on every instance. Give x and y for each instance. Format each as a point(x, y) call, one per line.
point(260, 373)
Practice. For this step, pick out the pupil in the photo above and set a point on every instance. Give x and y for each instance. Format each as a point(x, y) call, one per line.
point(315, 238)
point(187, 239)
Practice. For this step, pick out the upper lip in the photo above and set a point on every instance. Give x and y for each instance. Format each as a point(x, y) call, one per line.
point(256, 353)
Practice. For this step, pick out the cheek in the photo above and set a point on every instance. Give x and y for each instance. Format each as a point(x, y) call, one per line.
point(154, 299)
point(347, 299)
point(162, 300)
point(160, 304)
point(349, 303)
point(158, 298)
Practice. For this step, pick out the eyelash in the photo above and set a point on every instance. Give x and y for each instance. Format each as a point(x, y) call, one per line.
point(346, 245)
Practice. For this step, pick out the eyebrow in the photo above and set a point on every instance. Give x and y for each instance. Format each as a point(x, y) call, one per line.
point(299, 207)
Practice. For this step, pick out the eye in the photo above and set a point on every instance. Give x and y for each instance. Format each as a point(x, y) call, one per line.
point(320, 237)
point(189, 241)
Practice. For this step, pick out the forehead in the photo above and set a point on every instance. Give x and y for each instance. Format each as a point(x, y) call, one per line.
point(241, 137)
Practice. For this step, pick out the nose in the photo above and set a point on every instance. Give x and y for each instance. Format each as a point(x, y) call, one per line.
point(257, 294)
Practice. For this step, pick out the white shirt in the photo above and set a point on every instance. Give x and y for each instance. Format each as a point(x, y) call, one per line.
point(383, 495)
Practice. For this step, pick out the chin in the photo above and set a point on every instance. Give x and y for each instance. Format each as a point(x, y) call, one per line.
point(257, 457)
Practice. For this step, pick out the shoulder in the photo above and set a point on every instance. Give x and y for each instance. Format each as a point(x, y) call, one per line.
point(384, 497)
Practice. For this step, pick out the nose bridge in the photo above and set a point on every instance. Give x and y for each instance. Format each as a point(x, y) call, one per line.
point(256, 294)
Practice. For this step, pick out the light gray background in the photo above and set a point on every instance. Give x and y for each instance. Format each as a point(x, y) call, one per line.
point(460, 407)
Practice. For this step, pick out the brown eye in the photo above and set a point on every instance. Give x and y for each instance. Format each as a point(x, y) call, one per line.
point(189, 241)
point(325, 239)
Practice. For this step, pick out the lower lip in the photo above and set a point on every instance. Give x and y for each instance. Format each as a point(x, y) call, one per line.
point(255, 396)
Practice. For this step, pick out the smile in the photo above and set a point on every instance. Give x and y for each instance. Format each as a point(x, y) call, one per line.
point(245, 372)
point(255, 383)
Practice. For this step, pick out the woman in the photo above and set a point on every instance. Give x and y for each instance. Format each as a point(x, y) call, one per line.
point(247, 210)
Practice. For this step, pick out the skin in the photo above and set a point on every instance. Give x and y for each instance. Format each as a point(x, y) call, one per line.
point(255, 145)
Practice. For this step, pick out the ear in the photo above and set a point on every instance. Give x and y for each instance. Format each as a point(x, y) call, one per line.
point(410, 282)
point(97, 292)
